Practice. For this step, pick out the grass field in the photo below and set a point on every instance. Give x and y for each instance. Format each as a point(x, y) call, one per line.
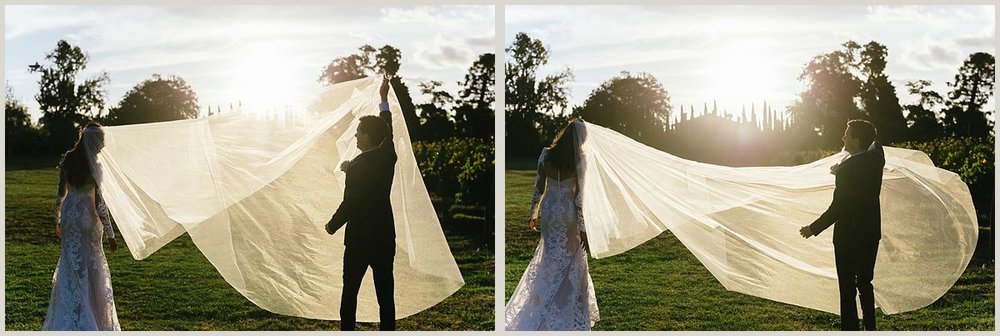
point(177, 288)
point(659, 285)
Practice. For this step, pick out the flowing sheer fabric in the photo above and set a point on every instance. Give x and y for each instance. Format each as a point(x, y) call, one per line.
point(743, 223)
point(254, 194)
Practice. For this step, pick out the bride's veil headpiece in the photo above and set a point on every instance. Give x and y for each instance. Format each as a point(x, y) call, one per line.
point(93, 142)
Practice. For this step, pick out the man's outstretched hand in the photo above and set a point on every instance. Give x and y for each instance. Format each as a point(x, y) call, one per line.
point(805, 232)
point(383, 91)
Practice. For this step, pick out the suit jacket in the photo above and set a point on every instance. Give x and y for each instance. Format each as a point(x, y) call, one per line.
point(366, 209)
point(855, 207)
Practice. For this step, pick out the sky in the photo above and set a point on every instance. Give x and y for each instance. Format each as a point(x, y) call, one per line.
point(264, 57)
point(738, 55)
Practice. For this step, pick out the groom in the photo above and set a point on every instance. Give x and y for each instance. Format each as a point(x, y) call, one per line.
point(371, 237)
point(855, 210)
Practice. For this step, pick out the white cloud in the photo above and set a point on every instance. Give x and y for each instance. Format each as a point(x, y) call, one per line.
point(899, 14)
point(445, 53)
point(931, 54)
point(26, 20)
point(485, 41)
point(937, 17)
point(443, 16)
point(984, 40)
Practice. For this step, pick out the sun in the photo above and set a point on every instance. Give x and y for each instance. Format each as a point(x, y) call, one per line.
point(264, 78)
point(742, 73)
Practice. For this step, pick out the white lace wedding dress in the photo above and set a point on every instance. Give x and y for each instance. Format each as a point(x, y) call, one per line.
point(81, 286)
point(556, 291)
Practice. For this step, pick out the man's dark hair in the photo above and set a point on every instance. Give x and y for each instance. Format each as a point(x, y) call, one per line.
point(375, 127)
point(863, 130)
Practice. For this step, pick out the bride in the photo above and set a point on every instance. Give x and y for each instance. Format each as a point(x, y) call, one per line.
point(81, 286)
point(556, 291)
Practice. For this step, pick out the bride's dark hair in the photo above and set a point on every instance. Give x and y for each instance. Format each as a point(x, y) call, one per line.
point(74, 163)
point(562, 151)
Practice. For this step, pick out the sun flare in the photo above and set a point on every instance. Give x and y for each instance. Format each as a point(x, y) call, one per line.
point(263, 78)
point(742, 74)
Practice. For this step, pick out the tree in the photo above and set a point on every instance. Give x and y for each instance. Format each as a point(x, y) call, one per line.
point(21, 136)
point(344, 69)
point(921, 117)
point(387, 60)
point(66, 105)
point(878, 96)
point(531, 103)
point(16, 116)
point(474, 111)
point(434, 114)
point(829, 101)
point(971, 91)
point(369, 62)
point(635, 105)
point(156, 99)
point(376, 62)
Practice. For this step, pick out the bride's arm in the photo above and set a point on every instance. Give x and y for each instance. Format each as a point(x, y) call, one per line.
point(60, 195)
point(102, 211)
point(578, 203)
point(92, 197)
point(101, 214)
point(539, 188)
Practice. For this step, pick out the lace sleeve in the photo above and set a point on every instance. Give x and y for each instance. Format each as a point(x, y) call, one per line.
point(579, 210)
point(60, 191)
point(581, 133)
point(102, 212)
point(539, 186)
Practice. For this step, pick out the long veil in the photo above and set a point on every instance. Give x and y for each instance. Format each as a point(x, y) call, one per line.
point(254, 194)
point(742, 223)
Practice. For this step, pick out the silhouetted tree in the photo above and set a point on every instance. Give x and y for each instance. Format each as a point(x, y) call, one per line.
point(156, 99)
point(387, 59)
point(376, 62)
point(21, 137)
point(971, 90)
point(531, 103)
point(344, 69)
point(16, 115)
point(434, 114)
point(878, 96)
point(922, 116)
point(635, 105)
point(64, 103)
point(829, 101)
point(474, 114)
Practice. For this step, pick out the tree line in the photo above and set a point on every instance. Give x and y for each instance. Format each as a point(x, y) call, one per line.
point(848, 83)
point(68, 102)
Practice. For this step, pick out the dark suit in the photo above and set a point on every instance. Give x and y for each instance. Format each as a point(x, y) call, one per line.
point(855, 210)
point(371, 236)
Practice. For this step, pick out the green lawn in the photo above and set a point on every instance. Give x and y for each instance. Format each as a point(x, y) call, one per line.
point(177, 288)
point(659, 285)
